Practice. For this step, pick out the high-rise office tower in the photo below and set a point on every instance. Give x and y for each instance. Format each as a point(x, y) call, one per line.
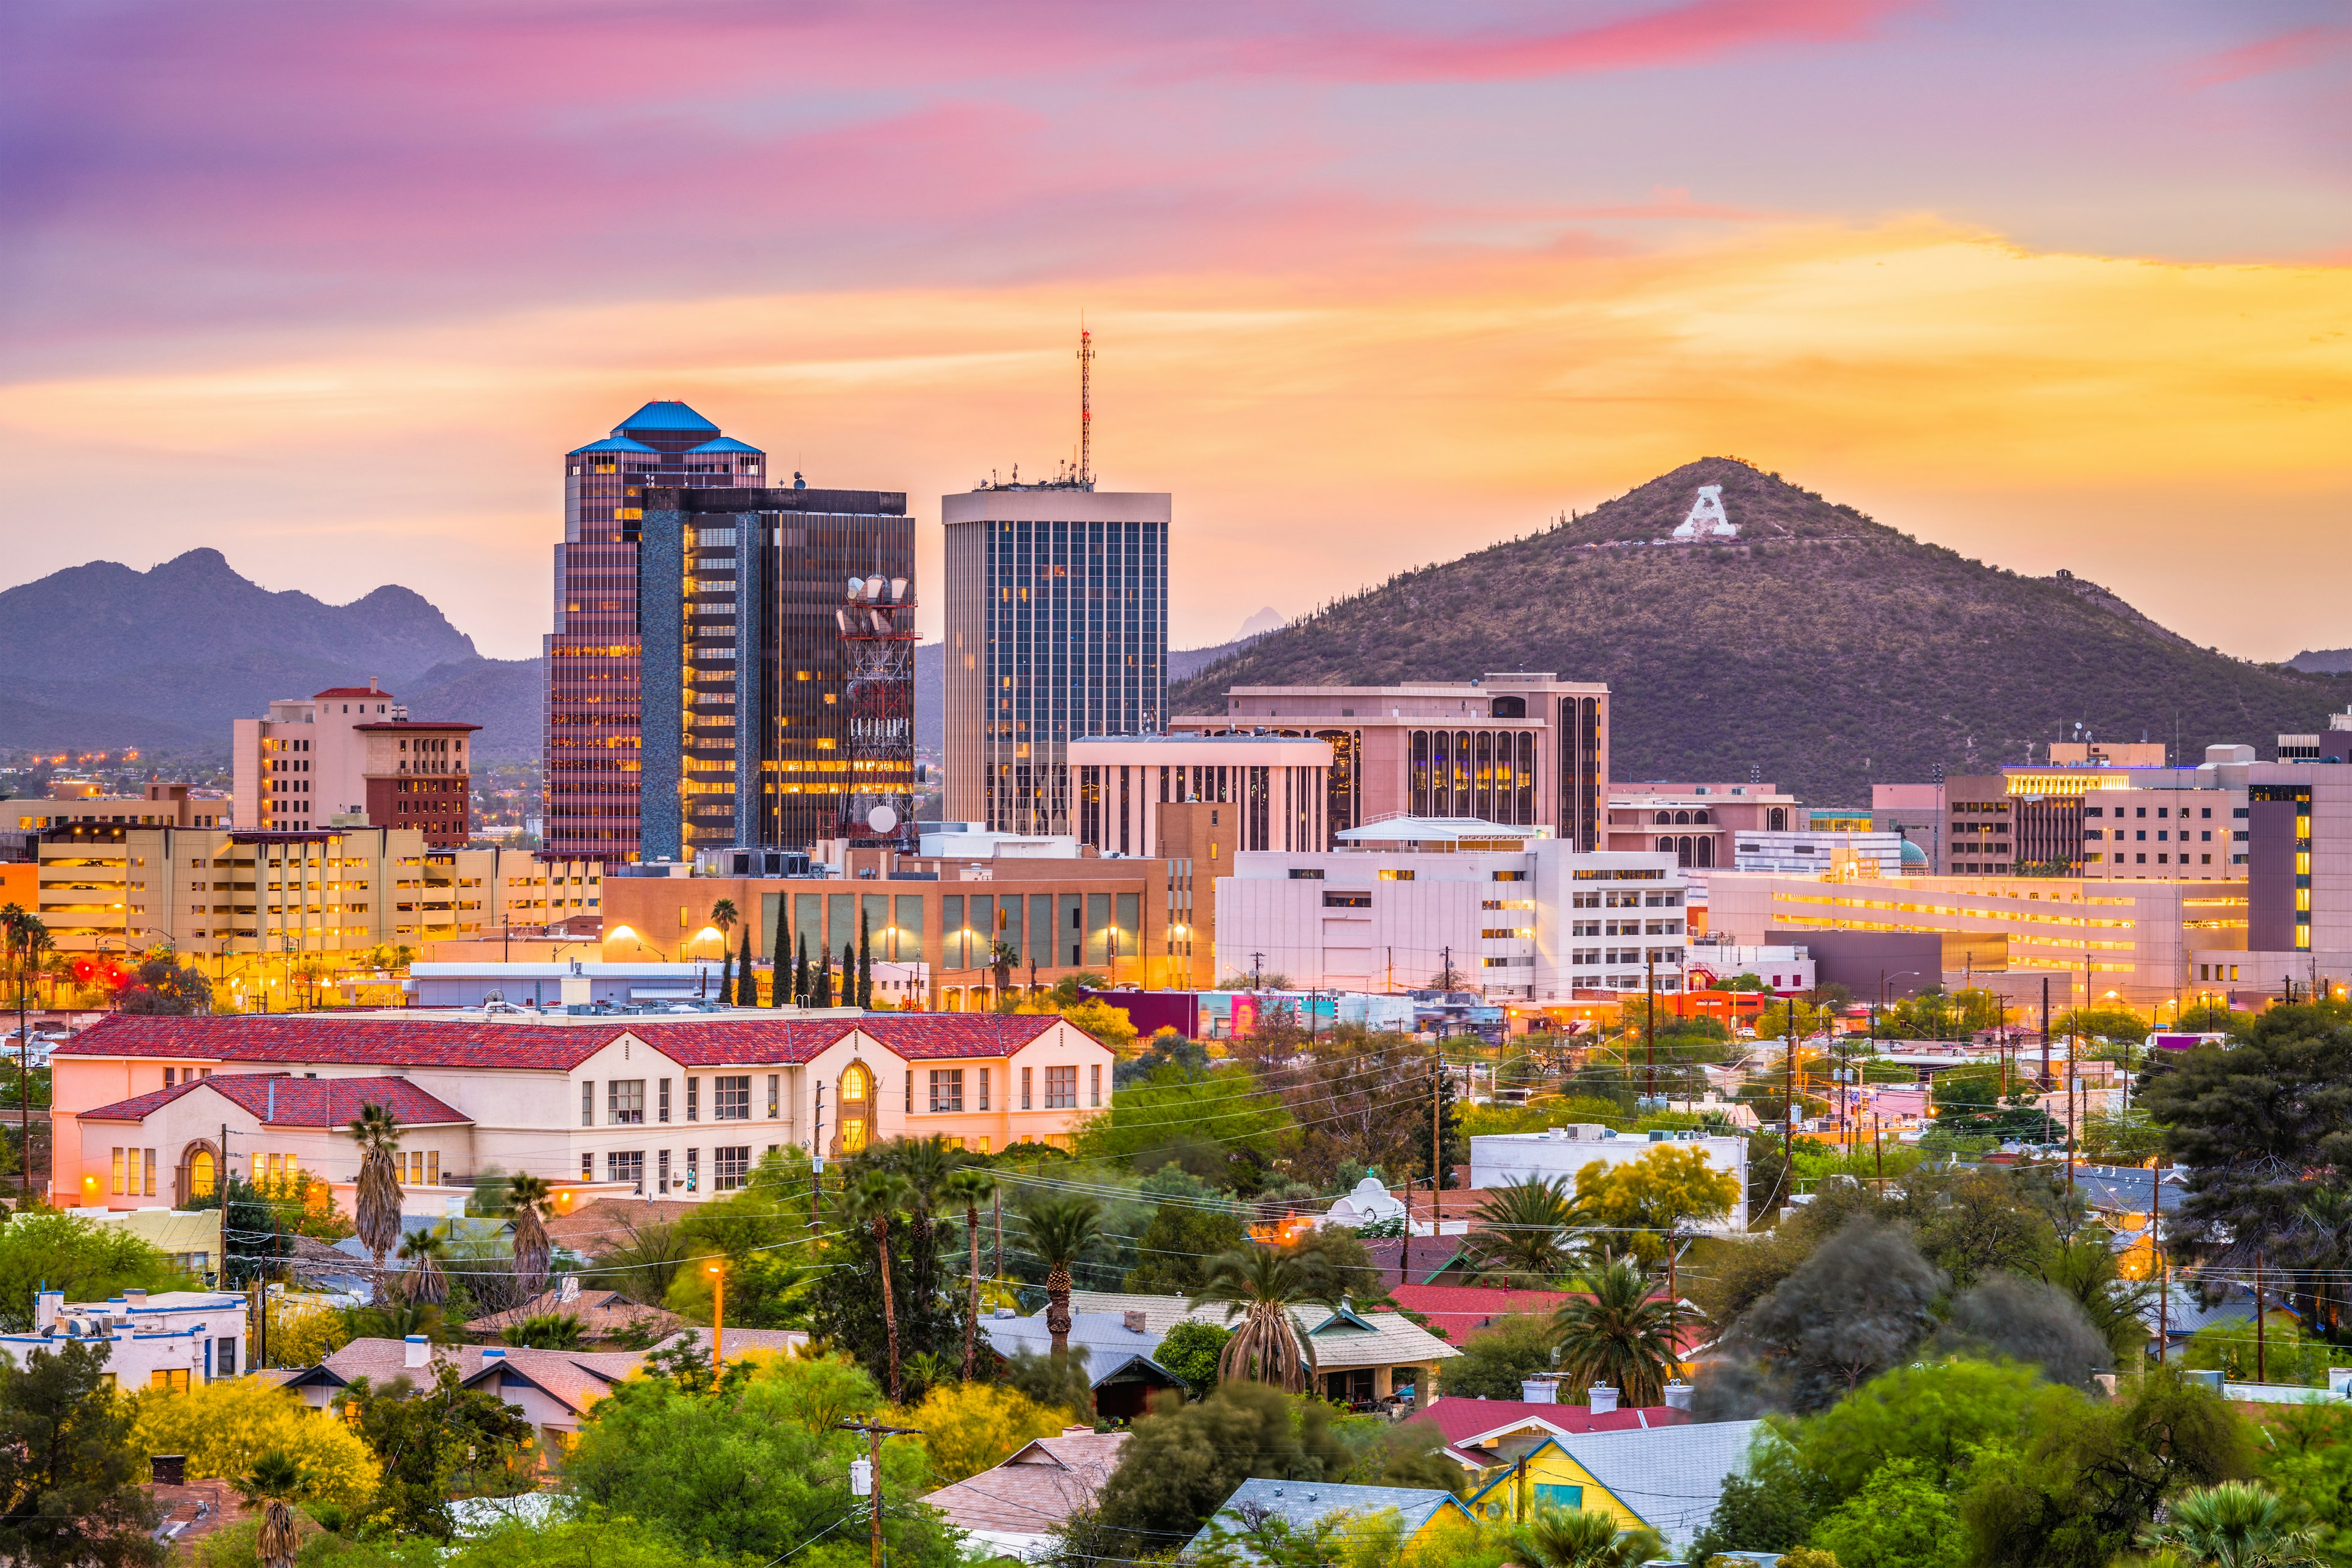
point(748, 676)
point(1056, 622)
point(590, 748)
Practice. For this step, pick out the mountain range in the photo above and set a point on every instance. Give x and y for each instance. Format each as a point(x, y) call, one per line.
point(101, 657)
point(1793, 638)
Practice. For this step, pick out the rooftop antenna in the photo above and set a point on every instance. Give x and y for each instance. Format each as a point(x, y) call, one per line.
point(1085, 407)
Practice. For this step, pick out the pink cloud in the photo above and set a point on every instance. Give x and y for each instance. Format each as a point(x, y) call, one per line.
point(2286, 51)
point(1686, 34)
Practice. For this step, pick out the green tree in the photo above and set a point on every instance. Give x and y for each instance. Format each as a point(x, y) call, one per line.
point(1263, 1283)
point(967, 1189)
point(872, 1205)
point(1226, 1110)
point(1583, 1538)
point(1173, 1249)
point(2237, 1524)
point(70, 1492)
point(747, 977)
point(803, 994)
point(528, 1199)
point(1454, 1144)
point(163, 985)
point(1614, 1332)
point(1519, 1233)
point(1899, 1519)
point(2306, 1454)
point(1765, 1505)
point(42, 1249)
point(1058, 1231)
point(2091, 1476)
point(1644, 1201)
point(426, 1439)
point(1182, 1461)
point(424, 1281)
point(865, 960)
point(781, 988)
point(757, 1473)
point(1192, 1351)
point(375, 1203)
point(1496, 1360)
point(1934, 1417)
point(546, 1332)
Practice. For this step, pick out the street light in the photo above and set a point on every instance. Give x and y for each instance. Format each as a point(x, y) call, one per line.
point(718, 1273)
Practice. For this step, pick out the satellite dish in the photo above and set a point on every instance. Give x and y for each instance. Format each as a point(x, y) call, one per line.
point(882, 818)
point(873, 587)
point(899, 589)
point(854, 585)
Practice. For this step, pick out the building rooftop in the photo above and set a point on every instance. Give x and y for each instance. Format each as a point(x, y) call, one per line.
point(611, 444)
point(1455, 830)
point(726, 444)
point(665, 415)
point(1307, 1503)
point(407, 724)
point(280, 1099)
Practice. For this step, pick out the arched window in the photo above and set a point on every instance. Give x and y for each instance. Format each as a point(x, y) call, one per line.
point(1701, 816)
point(1682, 816)
point(1777, 821)
point(1665, 817)
point(856, 1083)
point(1707, 850)
point(1682, 851)
point(1666, 844)
point(203, 1172)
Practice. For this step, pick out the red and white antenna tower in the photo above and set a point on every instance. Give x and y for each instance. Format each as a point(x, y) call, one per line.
point(1086, 409)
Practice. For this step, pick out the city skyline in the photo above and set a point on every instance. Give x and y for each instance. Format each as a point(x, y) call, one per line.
point(2053, 289)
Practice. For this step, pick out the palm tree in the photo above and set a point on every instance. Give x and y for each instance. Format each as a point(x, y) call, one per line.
point(275, 1480)
point(527, 1200)
point(1583, 1538)
point(1619, 1336)
point(724, 916)
point(424, 1280)
point(376, 1207)
point(1265, 1283)
point(872, 1203)
point(1060, 1230)
point(545, 1332)
point(2236, 1524)
point(969, 1188)
point(1518, 1236)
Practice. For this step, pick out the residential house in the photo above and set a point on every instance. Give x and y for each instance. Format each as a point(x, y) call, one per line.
point(602, 1314)
point(1117, 1347)
point(1454, 1312)
point(1361, 1358)
point(164, 1339)
point(1422, 1514)
point(1668, 1477)
point(1014, 1508)
point(1486, 1436)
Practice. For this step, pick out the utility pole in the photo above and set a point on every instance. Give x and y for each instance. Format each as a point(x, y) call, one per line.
point(2045, 1031)
point(817, 1162)
point(1789, 1092)
point(2156, 1271)
point(1650, 1024)
point(1437, 1144)
point(869, 1486)
point(998, 1199)
point(1257, 971)
point(2262, 1342)
point(220, 1187)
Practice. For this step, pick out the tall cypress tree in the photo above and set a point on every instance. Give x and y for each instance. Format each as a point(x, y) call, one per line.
point(801, 974)
point(849, 975)
point(726, 976)
point(821, 996)
point(779, 993)
point(747, 979)
point(864, 961)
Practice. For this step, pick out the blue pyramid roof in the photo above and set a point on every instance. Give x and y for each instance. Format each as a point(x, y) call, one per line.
point(665, 416)
point(612, 444)
point(728, 444)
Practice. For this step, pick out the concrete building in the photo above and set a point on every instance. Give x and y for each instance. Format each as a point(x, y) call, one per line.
point(261, 901)
point(1915, 811)
point(1787, 968)
point(1514, 915)
point(1557, 1153)
point(1276, 786)
point(1056, 629)
point(162, 805)
point(1523, 749)
point(665, 1106)
point(350, 754)
point(169, 1338)
point(2086, 936)
point(594, 678)
point(746, 729)
point(1148, 922)
point(1693, 822)
point(1830, 852)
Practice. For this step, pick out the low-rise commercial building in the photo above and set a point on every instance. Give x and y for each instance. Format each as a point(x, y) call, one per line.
point(670, 1106)
point(168, 1338)
point(162, 805)
point(1275, 788)
point(1409, 902)
point(1693, 822)
point(352, 754)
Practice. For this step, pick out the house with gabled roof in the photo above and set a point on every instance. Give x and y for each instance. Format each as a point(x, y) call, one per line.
point(1421, 1513)
point(657, 1107)
point(1359, 1357)
point(1667, 1478)
point(1015, 1506)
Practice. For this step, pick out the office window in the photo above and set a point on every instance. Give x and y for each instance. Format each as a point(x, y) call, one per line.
point(730, 1099)
point(908, 1089)
point(663, 1111)
point(661, 1172)
point(775, 1095)
point(624, 1102)
point(693, 1098)
point(171, 1076)
point(587, 1103)
point(626, 1165)
point(729, 1165)
point(983, 1076)
point(225, 1357)
point(947, 1090)
point(1061, 1089)
point(172, 1377)
point(587, 1167)
point(118, 1171)
point(693, 1168)
point(1095, 1088)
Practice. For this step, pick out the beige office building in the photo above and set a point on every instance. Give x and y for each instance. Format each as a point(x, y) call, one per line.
point(1274, 789)
point(1520, 749)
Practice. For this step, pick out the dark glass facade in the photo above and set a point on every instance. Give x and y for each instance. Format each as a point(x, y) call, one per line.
point(746, 717)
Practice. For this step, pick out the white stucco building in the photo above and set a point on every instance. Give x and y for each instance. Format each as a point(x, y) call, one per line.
point(174, 1339)
point(1518, 915)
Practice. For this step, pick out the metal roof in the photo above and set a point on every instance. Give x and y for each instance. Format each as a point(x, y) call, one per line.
point(612, 444)
point(664, 414)
point(1307, 1503)
point(726, 444)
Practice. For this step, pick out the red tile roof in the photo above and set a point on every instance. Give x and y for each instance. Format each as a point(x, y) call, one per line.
point(1463, 1309)
point(280, 1100)
point(545, 1048)
point(375, 692)
point(1460, 1420)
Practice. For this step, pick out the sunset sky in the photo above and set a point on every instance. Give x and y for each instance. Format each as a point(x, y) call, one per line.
point(333, 287)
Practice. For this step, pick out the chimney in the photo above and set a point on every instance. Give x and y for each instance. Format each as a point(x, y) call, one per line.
point(416, 1352)
point(376, 683)
point(134, 1296)
point(1077, 1431)
point(1602, 1397)
point(1678, 1394)
point(1539, 1391)
point(495, 1352)
point(1134, 1322)
point(47, 1306)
